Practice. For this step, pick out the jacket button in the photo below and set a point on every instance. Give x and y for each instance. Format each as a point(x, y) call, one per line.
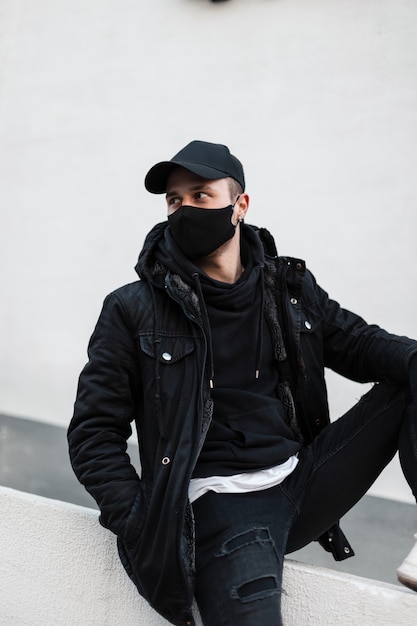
point(293, 300)
point(166, 460)
point(166, 356)
point(299, 266)
point(346, 550)
point(317, 421)
point(307, 325)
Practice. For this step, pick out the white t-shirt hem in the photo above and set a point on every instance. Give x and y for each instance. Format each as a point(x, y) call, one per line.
point(245, 482)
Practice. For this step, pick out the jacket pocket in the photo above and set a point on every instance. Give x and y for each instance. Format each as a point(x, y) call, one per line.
point(170, 363)
point(129, 540)
point(169, 349)
point(134, 523)
point(310, 321)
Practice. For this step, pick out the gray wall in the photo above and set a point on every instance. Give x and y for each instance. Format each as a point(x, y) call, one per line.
point(318, 99)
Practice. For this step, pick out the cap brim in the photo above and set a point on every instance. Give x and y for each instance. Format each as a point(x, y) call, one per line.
point(157, 178)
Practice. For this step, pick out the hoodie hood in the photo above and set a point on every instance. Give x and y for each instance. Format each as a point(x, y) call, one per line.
point(147, 267)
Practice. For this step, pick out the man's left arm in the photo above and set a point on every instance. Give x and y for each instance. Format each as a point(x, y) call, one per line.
point(361, 351)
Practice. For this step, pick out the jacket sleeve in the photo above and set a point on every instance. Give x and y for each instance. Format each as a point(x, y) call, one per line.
point(104, 408)
point(360, 351)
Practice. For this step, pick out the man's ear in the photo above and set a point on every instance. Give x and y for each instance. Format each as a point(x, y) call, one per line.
point(243, 205)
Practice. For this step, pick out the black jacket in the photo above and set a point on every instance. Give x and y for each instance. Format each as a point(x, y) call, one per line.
point(147, 363)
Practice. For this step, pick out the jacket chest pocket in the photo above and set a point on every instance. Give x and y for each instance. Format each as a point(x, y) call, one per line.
point(167, 349)
point(311, 346)
point(170, 362)
point(170, 359)
point(310, 322)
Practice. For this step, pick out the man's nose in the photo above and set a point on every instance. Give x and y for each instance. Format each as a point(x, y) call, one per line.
point(186, 200)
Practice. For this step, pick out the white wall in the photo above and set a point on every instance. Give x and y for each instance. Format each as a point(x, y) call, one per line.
point(318, 99)
point(58, 567)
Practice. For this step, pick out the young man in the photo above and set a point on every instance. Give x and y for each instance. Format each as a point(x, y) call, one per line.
point(218, 353)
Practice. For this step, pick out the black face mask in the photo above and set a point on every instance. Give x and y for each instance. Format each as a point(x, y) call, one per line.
point(198, 232)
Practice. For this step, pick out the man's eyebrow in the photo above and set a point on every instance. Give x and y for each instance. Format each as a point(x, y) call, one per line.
point(197, 187)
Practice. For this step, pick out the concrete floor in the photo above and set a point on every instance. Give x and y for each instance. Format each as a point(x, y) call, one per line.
point(34, 458)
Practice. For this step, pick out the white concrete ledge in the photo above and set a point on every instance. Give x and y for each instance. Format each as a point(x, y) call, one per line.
point(59, 567)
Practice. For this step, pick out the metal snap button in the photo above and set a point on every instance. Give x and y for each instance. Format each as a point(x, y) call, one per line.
point(293, 300)
point(346, 550)
point(307, 325)
point(166, 460)
point(166, 356)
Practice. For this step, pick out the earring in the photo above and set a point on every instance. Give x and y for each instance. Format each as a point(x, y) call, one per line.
point(240, 219)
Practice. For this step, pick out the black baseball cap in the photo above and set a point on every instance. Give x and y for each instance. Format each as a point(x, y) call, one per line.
point(208, 160)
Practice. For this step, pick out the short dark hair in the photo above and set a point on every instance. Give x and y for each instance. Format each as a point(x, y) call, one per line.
point(235, 188)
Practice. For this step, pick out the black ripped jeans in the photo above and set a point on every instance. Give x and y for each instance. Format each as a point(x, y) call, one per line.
point(241, 539)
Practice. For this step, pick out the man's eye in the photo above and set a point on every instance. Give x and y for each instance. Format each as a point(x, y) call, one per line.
point(201, 194)
point(173, 201)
